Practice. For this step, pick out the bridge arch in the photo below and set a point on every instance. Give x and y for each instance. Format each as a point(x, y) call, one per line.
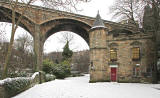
point(25, 23)
point(65, 24)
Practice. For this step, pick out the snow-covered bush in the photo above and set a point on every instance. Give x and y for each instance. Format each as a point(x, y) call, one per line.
point(13, 86)
point(17, 74)
point(50, 77)
point(17, 85)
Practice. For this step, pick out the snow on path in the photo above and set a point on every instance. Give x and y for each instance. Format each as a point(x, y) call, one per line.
point(78, 87)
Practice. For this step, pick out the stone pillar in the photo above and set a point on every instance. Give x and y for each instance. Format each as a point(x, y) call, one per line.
point(98, 52)
point(38, 48)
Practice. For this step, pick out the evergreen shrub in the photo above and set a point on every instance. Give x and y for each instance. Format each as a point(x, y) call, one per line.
point(50, 77)
point(61, 70)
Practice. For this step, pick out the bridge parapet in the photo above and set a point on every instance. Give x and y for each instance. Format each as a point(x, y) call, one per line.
point(40, 15)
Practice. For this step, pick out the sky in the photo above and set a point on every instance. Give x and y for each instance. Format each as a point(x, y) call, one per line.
point(79, 44)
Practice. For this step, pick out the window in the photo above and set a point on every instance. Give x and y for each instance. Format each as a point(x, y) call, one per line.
point(135, 53)
point(113, 55)
point(136, 71)
point(148, 72)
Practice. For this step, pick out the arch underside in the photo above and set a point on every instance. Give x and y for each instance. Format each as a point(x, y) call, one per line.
point(70, 25)
point(6, 16)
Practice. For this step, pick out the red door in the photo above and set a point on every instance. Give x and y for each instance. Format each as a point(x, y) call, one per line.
point(113, 74)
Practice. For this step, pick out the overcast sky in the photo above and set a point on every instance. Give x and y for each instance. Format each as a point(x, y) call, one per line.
point(89, 9)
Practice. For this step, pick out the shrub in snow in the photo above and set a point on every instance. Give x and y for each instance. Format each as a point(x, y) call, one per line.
point(47, 66)
point(50, 77)
point(66, 66)
point(17, 85)
point(17, 74)
point(61, 70)
point(58, 71)
point(13, 86)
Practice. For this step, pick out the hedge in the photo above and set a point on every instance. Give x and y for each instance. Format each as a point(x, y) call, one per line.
point(11, 86)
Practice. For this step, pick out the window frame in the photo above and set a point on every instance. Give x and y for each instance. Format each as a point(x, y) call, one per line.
point(113, 54)
point(136, 71)
point(135, 54)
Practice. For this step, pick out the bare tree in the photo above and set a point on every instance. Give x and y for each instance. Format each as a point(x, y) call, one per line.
point(66, 36)
point(128, 10)
point(24, 42)
point(24, 45)
point(14, 6)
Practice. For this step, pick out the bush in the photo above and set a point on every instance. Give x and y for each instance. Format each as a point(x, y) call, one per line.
point(66, 66)
point(50, 77)
point(17, 85)
point(61, 70)
point(17, 74)
point(58, 71)
point(47, 66)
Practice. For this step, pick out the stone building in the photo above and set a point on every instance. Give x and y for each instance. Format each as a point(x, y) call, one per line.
point(120, 55)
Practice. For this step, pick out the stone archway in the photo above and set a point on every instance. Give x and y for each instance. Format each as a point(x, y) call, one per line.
point(45, 30)
point(75, 26)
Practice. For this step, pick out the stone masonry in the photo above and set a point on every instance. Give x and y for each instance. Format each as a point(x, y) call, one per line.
point(127, 69)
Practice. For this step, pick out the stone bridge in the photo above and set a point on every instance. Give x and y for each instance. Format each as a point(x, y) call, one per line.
point(42, 22)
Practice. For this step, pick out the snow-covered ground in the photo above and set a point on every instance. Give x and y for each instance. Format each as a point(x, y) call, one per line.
point(78, 87)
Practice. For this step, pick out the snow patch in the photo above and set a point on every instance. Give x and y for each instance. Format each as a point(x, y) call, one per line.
point(79, 87)
point(34, 75)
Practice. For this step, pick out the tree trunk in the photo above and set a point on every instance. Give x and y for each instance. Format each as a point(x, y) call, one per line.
point(5, 69)
point(14, 28)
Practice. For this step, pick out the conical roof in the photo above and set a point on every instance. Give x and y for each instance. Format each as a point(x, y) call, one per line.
point(98, 22)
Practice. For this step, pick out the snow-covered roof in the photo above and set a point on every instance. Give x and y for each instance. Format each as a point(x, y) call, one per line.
point(98, 23)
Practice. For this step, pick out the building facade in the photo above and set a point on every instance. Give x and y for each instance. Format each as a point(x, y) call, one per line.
point(120, 55)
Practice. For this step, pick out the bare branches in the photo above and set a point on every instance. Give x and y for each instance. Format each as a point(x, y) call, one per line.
point(128, 10)
point(66, 36)
point(3, 32)
point(67, 5)
point(24, 42)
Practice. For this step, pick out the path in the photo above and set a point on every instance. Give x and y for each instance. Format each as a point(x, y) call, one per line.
point(78, 87)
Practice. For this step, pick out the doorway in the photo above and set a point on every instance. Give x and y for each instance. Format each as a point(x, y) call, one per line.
point(113, 74)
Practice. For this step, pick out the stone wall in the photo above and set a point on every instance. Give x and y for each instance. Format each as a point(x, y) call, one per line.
point(98, 54)
point(125, 43)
